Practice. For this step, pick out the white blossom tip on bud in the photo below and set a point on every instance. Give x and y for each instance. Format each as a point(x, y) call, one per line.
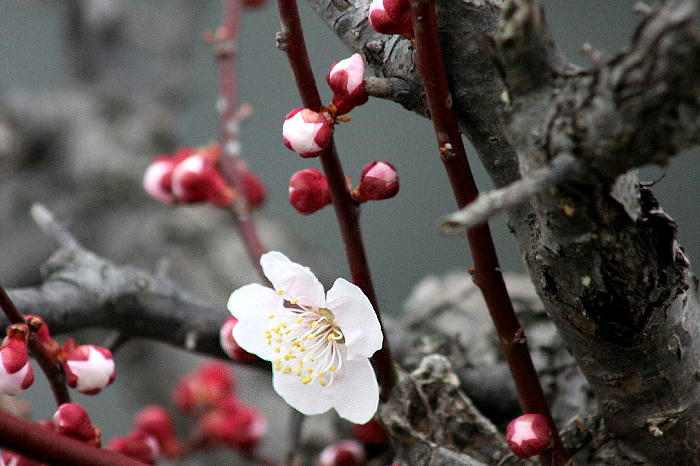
point(16, 372)
point(346, 78)
point(378, 180)
point(89, 368)
point(528, 435)
point(306, 132)
point(157, 179)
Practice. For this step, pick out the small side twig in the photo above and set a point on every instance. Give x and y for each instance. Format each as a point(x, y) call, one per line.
point(487, 273)
point(52, 370)
point(346, 210)
point(492, 203)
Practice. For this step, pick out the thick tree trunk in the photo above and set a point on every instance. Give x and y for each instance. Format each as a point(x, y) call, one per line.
point(599, 249)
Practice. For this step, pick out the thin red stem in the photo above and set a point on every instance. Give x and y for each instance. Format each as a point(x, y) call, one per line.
point(40, 444)
point(225, 45)
point(51, 368)
point(487, 274)
point(347, 211)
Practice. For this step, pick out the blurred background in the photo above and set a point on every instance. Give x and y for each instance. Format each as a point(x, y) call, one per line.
point(92, 90)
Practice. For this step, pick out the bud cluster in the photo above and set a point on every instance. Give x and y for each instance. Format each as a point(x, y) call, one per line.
point(192, 176)
point(223, 419)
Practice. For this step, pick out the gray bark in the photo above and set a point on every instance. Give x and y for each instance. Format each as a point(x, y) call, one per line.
point(600, 251)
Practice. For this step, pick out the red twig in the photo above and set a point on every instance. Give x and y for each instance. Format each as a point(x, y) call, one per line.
point(52, 370)
point(346, 210)
point(487, 274)
point(40, 444)
point(225, 44)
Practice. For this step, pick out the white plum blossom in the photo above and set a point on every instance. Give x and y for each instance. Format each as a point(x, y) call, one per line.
point(319, 344)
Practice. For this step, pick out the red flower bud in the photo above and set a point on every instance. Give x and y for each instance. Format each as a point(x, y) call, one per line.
point(253, 189)
point(306, 132)
point(203, 389)
point(71, 420)
point(343, 453)
point(16, 373)
point(230, 346)
point(233, 424)
point(308, 191)
point(378, 181)
point(528, 435)
point(346, 79)
point(391, 17)
point(137, 445)
point(197, 179)
point(371, 433)
point(88, 368)
point(156, 421)
point(10, 458)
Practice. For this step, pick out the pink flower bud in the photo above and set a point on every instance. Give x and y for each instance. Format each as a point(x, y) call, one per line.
point(137, 445)
point(16, 373)
point(343, 453)
point(156, 421)
point(308, 191)
point(371, 433)
point(157, 179)
point(253, 189)
point(71, 420)
point(88, 368)
point(306, 132)
point(347, 80)
point(528, 435)
point(203, 389)
point(378, 181)
point(391, 17)
point(233, 424)
point(230, 346)
point(196, 178)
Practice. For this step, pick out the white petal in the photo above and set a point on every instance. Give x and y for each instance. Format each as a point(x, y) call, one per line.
point(11, 384)
point(296, 281)
point(252, 305)
point(310, 398)
point(356, 391)
point(355, 316)
point(93, 373)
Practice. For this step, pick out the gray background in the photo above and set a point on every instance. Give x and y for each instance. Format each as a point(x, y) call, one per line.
point(401, 235)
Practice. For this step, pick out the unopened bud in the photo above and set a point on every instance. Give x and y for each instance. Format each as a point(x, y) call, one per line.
point(71, 420)
point(347, 80)
point(391, 17)
point(371, 433)
point(229, 345)
point(156, 421)
point(89, 368)
point(137, 445)
point(528, 435)
point(253, 189)
point(343, 453)
point(203, 389)
point(157, 179)
point(306, 132)
point(197, 179)
point(16, 373)
point(233, 424)
point(10, 458)
point(378, 181)
point(308, 191)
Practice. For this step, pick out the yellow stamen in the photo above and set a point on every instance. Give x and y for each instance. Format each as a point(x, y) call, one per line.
point(287, 370)
point(306, 379)
point(280, 292)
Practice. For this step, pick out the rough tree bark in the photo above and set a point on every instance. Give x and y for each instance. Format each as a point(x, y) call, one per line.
point(600, 251)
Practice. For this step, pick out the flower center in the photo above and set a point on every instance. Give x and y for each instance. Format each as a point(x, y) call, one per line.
point(308, 342)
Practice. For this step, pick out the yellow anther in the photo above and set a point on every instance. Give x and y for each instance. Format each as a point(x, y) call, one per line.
point(312, 359)
point(314, 324)
point(306, 379)
point(278, 349)
point(283, 324)
point(277, 367)
point(323, 383)
point(299, 319)
point(303, 348)
point(278, 361)
point(309, 371)
point(332, 368)
point(320, 374)
point(298, 372)
point(294, 301)
point(287, 332)
point(287, 357)
point(278, 340)
point(271, 316)
point(287, 370)
point(280, 292)
point(295, 343)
